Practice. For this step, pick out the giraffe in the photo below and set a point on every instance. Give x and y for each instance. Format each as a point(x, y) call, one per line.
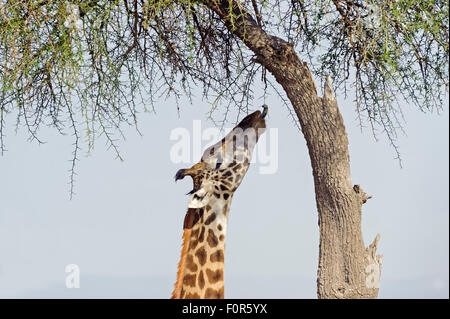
point(216, 177)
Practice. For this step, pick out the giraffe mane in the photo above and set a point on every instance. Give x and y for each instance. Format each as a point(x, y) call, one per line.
point(189, 220)
point(176, 294)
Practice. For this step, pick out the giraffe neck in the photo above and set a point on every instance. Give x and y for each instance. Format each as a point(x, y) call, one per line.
point(201, 267)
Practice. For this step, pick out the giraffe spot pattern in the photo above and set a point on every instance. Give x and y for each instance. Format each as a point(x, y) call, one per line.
point(190, 263)
point(193, 243)
point(201, 255)
point(210, 219)
point(214, 294)
point(192, 296)
point(201, 280)
point(189, 280)
point(201, 237)
point(194, 233)
point(217, 256)
point(224, 182)
point(214, 275)
point(212, 239)
point(226, 174)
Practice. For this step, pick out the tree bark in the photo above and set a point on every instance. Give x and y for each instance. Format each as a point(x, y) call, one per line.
point(346, 268)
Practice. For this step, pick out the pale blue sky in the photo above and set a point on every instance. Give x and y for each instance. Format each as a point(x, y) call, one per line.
point(123, 227)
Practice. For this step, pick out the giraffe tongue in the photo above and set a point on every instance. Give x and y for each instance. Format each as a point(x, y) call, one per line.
point(179, 174)
point(264, 113)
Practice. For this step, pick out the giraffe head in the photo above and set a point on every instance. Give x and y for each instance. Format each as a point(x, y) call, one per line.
point(224, 164)
point(216, 177)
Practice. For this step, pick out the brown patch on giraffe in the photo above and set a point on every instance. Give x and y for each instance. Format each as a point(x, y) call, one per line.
point(193, 215)
point(223, 187)
point(220, 294)
point(209, 293)
point(201, 237)
point(214, 275)
point(237, 167)
point(194, 233)
point(224, 182)
point(189, 280)
point(193, 244)
point(210, 219)
point(212, 239)
point(221, 237)
point(201, 280)
point(214, 294)
point(217, 195)
point(201, 255)
point(194, 238)
point(225, 196)
point(217, 256)
point(219, 227)
point(226, 174)
point(208, 208)
point(190, 264)
point(201, 214)
point(225, 209)
point(192, 296)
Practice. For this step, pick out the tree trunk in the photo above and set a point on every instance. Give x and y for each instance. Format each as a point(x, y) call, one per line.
point(346, 268)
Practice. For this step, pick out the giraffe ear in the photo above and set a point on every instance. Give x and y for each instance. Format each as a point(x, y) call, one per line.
point(200, 197)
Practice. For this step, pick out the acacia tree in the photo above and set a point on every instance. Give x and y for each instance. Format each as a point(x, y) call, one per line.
point(89, 67)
